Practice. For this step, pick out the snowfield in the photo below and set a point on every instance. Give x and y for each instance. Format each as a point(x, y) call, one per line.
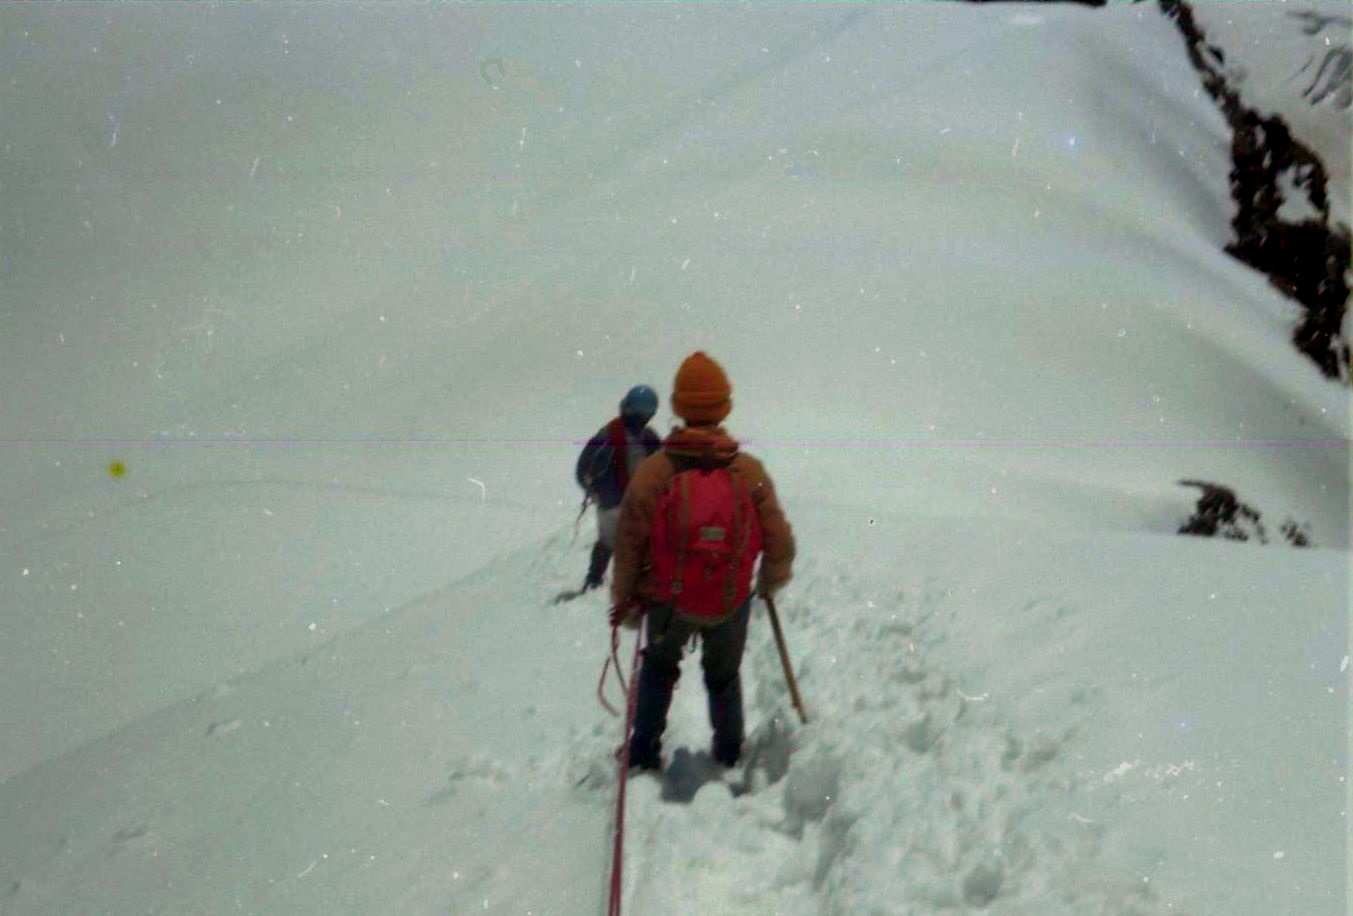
point(344, 288)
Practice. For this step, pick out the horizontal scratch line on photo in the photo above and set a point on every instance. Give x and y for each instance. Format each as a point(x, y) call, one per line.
point(866, 443)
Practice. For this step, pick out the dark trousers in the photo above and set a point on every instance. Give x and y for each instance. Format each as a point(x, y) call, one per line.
point(596, 567)
point(720, 657)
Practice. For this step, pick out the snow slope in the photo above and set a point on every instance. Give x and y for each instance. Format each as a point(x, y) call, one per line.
point(1048, 729)
point(344, 287)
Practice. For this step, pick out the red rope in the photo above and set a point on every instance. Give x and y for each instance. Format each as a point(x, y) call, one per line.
point(615, 658)
point(617, 862)
point(612, 659)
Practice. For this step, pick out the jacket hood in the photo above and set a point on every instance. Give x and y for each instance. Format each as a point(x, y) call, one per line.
point(701, 443)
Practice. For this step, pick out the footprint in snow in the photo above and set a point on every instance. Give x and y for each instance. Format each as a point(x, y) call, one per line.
point(127, 834)
point(223, 727)
point(129, 837)
point(474, 770)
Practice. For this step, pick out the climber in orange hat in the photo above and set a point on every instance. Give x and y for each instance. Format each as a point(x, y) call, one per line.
point(692, 522)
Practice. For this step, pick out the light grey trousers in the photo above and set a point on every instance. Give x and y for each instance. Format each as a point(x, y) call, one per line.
point(607, 520)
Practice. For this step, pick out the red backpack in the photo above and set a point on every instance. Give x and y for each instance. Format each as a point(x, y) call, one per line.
point(704, 542)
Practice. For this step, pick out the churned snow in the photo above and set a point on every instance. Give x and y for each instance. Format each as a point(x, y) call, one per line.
point(340, 289)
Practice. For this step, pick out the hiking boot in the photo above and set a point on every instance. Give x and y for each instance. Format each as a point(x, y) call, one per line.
point(725, 714)
point(726, 756)
point(646, 756)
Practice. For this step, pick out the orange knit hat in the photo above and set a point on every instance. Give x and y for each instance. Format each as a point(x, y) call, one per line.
point(701, 393)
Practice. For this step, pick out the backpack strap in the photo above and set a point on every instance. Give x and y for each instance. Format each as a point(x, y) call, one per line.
point(620, 452)
point(683, 521)
point(742, 534)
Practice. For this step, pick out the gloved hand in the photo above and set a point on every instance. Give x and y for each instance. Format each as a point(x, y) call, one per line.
point(626, 615)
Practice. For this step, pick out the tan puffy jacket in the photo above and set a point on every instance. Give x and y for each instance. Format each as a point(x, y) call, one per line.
point(649, 482)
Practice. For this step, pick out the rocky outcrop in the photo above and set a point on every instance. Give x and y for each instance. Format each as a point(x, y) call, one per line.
point(1220, 513)
point(1282, 224)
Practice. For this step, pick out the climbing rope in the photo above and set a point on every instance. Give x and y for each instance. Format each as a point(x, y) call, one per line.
point(612, 659)
point(618, 849)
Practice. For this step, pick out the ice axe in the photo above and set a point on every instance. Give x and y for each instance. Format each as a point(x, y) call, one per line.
point(784, 659)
